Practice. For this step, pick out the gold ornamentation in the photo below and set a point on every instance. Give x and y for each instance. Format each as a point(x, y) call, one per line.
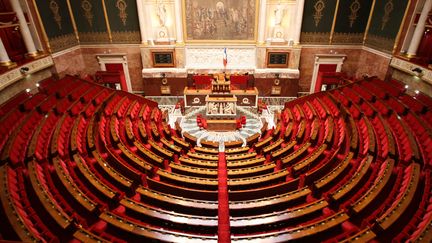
point(380, 43)
point(314, 37)
point(87, 7)
point(62, 42)
point(94, 37)
point(126, 37)
point(347, 38)
point(53, 5)
point(388, 8)
point(121, 6)
point(319, 7)
point(354, 7)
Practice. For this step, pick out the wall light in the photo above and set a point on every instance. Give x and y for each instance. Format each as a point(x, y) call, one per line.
point(418, 72)
point(417, 92)
point(28, 90)
point(24, 70)
point(406, 86)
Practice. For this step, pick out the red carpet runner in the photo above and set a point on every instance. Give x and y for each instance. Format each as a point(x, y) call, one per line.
point(223, 206)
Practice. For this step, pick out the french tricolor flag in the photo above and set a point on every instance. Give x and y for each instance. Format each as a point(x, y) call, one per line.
point(225, 58)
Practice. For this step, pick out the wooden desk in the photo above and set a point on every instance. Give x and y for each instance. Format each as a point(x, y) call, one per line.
point(196, 97)
point(273, 218)
point(221, 125)
point(354, 180)
point(170, 216)
point(71, 187)
point(271, 201)
point(19, 225)
point(186, 204)
point(297, 232)
point(100, 186)
point(373, 192)
point(84, 235)
point(48, 202)
point(151, 232)
point(336, 172)
point(403, 200)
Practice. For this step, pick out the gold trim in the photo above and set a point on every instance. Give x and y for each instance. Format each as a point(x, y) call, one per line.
point(381, 43)
point(9, 64)
point(270, 52)
point(126, 37)
point(121, 6)
point(401, 27)
point(54, 7)
point(354, 7)
point(388, 9)
point(369, 21)
point(334, 22)
point(170, 52)
point(63, 42)
point(347, 38)
point(319, 7)
point(87, 7)
point(74, 26)
point(44, 34)
point(93, 37)
point(185, 37)
point(314, 37)
point(33, 54)
point(107, 21)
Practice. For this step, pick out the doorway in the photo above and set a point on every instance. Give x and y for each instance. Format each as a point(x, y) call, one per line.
point(325, 63)
point(116, 62)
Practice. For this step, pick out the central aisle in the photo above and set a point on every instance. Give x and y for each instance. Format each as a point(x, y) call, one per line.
point(224, 234)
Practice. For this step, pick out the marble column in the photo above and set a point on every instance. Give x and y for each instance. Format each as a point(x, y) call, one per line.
point(419, 30)
point(298, 22)
point(142, 21)
point(148, 23)
point(262, 21)
point(25, 31)
point(4, 58)
point(179, 21)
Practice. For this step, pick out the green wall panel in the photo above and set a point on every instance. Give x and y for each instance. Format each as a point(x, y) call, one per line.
point(57, 22)
point(351, 21)
point(123, 19)
point(386, 20)
point(90, 21)
point(317, 21)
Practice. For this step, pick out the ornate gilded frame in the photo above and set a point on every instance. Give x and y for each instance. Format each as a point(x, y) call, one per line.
point(204, 41)
point(269, 55)
point(154, 54)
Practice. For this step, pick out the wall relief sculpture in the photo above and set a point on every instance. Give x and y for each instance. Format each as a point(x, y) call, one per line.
point(216, 20)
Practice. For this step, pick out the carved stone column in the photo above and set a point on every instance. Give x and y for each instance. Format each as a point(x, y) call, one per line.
point(179, 21)
point(298, 22)
point(142, 21)
point(418, 32)
point(4, 58)
point(262, 21)
point(25, 31)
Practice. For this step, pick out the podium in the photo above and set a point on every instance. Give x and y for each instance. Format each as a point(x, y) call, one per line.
point(221, 106)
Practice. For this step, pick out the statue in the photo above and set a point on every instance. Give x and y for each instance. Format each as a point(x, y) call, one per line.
point(229, 109)
point(278, 15)
point(161, 14)
point(278, 30)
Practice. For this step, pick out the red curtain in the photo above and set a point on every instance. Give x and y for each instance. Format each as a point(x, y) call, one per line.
point(424, 51)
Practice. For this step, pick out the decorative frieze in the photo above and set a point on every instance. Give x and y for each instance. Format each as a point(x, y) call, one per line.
point(412, 69)
point(62, 42)
point(212, 58)
point(21, 72)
